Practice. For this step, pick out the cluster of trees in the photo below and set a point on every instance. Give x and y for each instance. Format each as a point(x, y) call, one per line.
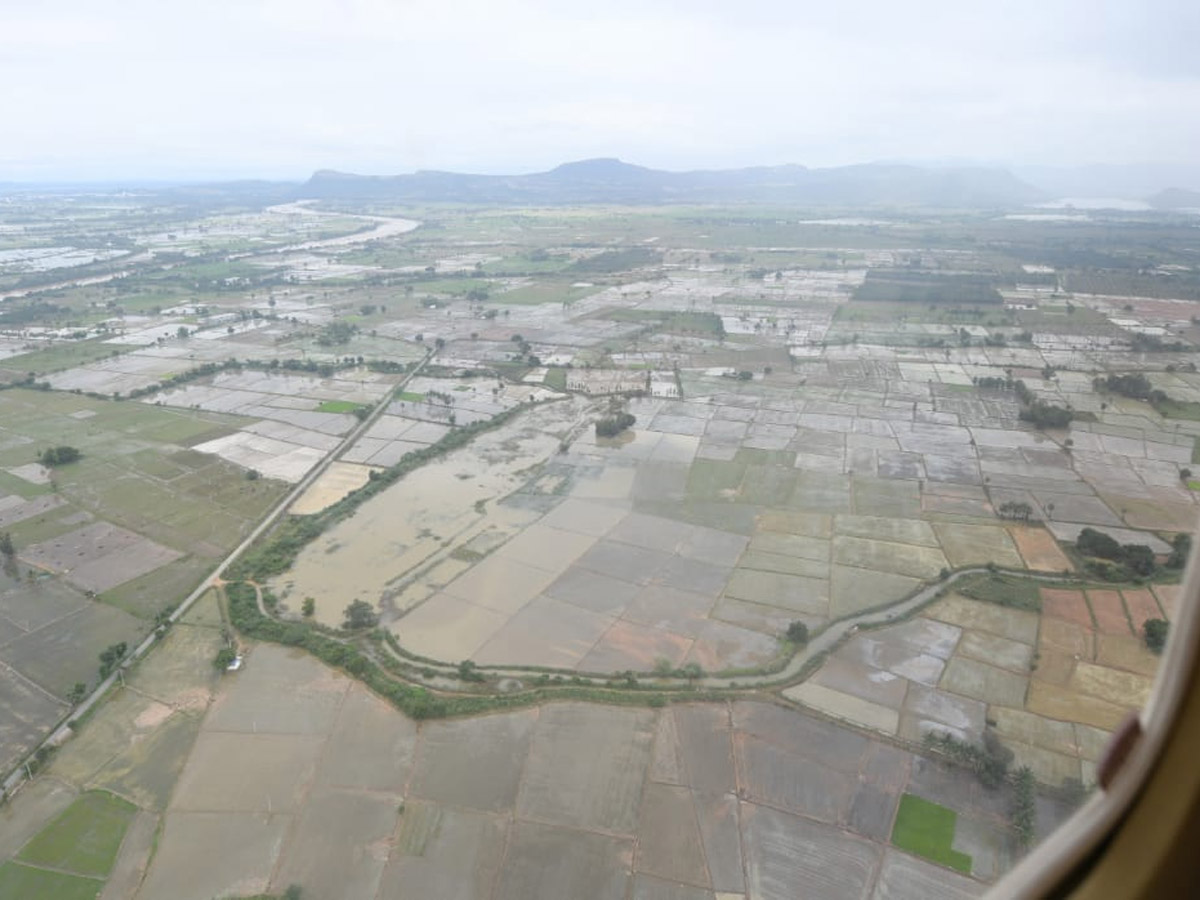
point(387, 366)
point(1152, 343)
point(1136, 559)
point(993, 382)
point(110, 658)
point(1181, 547)
point(1135, 386)
point(989, 761)
point(59, 456)
point(334, 333)
point(524, 351)
point(611, 426)
point(1015, 509)
point(1046, 415)
point(8, 552)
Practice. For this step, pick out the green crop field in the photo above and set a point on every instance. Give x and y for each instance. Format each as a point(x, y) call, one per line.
point(544, 292)
point(1019, 593)
point(338, 406)
point(927, 830)
point(85, 838)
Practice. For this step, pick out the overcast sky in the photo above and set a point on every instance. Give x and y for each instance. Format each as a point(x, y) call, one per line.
point(278, 88)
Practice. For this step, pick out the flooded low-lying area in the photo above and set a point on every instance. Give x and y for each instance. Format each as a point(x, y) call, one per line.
point(427, 515)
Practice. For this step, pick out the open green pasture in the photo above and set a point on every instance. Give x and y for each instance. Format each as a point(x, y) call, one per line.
point(544, 291)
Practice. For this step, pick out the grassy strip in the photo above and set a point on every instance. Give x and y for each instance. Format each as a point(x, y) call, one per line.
point(85, 838)
point(339, 406)
point(1005, 590)
point(274, 553)
point(1187, 410)
point(927, 829)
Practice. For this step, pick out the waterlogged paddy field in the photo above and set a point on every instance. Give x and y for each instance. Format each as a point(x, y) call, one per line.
point(104, 543)
point(337, 792)
point(399, 543)
point(700, 534)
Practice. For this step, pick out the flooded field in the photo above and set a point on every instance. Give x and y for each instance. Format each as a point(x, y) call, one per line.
point(426, 516)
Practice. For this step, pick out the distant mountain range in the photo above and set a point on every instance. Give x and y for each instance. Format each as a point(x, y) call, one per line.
point(882, 185)
point(614, 181)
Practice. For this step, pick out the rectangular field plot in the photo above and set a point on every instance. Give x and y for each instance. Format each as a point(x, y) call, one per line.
point(587, 766)
point(329, 850)
point(559, 862)
point(246, 844)
point(474, 763)
point(26, 713)
point(432, 847)
point(20, 881)
point(281, 691)
point(99, 556)
point(85, 838)
point(272, 458)
point(66, 651)
point(784, 851)
point(927, 829)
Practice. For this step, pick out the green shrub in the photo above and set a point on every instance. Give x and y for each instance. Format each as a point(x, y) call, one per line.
point(1023, 816)
point(797, 633)
point(1155, 633)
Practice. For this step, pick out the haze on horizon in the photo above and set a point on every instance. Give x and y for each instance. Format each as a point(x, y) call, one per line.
point(280, 88)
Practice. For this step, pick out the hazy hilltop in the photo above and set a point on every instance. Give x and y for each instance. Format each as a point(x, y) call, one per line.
point(1133, 181)
point(1175, 198)
point(614, 181)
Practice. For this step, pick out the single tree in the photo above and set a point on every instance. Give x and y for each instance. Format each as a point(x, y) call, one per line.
point(797, 632)
point(110, 658)
point(1155, 632)
point(309, 607)
point(359, 614)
